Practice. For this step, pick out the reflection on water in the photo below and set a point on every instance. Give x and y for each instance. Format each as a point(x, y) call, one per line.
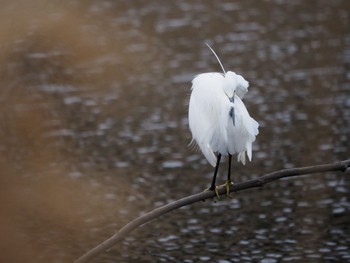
point(94, 129)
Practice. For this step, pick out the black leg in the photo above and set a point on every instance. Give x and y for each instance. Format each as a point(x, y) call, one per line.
point(212, 187)
point(228, 181)
point(229, 168)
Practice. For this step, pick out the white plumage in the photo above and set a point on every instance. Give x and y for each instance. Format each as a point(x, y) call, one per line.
point(218, 119)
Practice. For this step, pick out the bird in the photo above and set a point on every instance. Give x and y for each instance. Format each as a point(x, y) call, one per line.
point(219, 121)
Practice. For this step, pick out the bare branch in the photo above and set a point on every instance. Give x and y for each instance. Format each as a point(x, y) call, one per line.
point(258, 182)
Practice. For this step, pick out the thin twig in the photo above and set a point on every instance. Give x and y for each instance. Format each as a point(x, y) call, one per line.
point(258, 182)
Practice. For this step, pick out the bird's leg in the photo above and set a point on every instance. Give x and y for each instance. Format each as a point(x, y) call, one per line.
point(213, 185)
point(228, 181)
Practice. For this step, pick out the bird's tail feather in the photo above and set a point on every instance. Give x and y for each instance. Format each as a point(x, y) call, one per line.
point(241, 157)
point(209, 154)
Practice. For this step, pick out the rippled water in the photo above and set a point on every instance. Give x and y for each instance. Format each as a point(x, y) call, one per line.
point(94, 129)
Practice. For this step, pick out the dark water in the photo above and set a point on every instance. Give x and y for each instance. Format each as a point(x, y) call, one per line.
point(94, 129)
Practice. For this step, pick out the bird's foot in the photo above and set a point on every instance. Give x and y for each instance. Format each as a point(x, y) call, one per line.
point(214, 189)
point(227, 185)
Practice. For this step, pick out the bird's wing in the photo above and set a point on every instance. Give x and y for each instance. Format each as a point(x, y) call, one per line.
point(204, 113)
point(243, 133)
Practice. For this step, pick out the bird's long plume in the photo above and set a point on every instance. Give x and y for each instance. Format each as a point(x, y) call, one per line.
point(216, 57)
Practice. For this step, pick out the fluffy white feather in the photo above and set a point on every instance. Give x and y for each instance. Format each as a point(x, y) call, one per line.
point(218, 119)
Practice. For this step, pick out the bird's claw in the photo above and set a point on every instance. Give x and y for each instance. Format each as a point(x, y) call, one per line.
point(227, 185)
point(215, 190)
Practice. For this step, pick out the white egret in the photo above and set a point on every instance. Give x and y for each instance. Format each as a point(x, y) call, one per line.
point(219, 121)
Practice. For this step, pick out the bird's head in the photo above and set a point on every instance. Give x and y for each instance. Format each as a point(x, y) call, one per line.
point(242, 87)
point(235, 84)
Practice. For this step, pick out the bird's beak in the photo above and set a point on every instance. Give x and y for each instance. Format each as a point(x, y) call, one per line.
point(232, 99)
